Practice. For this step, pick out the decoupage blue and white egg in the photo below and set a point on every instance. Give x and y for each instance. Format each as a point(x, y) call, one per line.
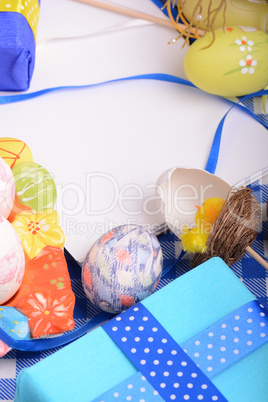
point(122, 268)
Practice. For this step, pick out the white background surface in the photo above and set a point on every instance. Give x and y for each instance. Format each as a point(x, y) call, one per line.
point(122, 135)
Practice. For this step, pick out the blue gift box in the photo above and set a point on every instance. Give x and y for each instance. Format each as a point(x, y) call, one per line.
point(17, 44)
point(92, 366)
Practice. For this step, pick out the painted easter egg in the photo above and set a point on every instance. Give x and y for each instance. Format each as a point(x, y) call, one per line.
point(46, 287)
point(14, 151)
point(36, 231)
point(7, 189)
point(122, 267)
point(34, 186)
point(14, 323)
point(12, 261)
point(235, 64)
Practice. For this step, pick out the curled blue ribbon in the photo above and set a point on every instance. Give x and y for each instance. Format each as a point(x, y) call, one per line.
point(215, 148)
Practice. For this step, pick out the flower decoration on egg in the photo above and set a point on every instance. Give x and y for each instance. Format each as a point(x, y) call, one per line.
point(32, 241)
point(48, 312)
point(244, 44)
point(46, 283)
point(226, 69)
point(38, 230)
point(218, 35)
point(248, 65)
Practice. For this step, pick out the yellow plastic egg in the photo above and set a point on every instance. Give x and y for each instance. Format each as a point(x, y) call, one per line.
point(235, 64)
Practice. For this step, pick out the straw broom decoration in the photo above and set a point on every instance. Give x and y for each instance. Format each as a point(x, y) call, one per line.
point(232, 233)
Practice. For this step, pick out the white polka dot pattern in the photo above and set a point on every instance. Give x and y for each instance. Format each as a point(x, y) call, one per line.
point(159, 358)
point(135, 389)
point(230, 339)
point(29, 9)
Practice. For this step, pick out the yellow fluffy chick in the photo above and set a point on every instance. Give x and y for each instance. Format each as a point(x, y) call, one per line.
point(194, 240)
point(209, 211)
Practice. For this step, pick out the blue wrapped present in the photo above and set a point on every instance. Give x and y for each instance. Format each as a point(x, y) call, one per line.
point(18, 28)
point(201, 337)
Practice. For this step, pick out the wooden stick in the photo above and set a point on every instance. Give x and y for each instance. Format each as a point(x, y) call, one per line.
point(257, 257)
point(129, 12)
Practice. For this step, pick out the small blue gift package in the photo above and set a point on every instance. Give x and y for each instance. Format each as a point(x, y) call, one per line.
point(18, 22)
point(201, 337)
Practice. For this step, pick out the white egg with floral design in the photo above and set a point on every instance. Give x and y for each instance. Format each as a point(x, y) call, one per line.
point(12, 261)
point(235, 63)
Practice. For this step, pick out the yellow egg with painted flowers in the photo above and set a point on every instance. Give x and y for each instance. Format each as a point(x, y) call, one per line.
point(234, 64)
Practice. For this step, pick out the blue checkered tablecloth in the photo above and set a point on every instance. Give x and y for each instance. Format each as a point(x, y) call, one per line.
point(254, 276)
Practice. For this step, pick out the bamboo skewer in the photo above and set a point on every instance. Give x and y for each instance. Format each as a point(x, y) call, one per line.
point(257, 257)
point(128, 12)
point(131, 13)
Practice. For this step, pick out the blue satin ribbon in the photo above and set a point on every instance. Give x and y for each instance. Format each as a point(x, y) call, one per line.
point(215, 148)
point(6, 99)
point(35, 345)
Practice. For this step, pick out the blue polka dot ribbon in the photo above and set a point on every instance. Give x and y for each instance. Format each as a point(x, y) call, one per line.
point(230, 339)
point(161, 361)
point(135, 388)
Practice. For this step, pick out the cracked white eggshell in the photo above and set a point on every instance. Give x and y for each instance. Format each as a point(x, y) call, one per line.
point(181, 190)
